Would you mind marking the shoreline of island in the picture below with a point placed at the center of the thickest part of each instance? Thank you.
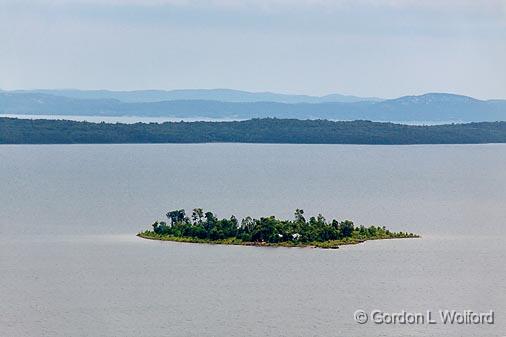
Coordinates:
(316, 232)
(335, 244)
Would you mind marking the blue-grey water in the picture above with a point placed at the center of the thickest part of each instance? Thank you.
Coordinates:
(70, 264)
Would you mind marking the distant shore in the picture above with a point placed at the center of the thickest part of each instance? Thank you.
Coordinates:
(267, 130)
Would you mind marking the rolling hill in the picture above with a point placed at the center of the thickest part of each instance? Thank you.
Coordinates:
(428, 107)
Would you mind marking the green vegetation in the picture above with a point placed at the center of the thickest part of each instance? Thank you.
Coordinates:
(268, 130)
(204, 227)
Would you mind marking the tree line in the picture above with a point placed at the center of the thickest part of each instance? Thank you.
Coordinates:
(266, 130)
(206, 226)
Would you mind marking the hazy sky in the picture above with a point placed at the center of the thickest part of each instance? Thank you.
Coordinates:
(381, 48)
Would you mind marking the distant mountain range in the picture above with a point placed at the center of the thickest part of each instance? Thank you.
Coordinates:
(232, 104)
(222, 95)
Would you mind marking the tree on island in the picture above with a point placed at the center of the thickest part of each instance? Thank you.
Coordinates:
(269, 230)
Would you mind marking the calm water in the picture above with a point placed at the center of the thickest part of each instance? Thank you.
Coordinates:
(70, 264)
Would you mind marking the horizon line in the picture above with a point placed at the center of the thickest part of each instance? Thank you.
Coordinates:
(372, 97)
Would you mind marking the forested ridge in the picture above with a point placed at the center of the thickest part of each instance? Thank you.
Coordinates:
(266, 130)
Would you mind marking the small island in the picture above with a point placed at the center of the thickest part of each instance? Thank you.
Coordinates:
(205, 227)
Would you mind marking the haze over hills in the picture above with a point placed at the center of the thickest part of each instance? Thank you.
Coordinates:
(224, 95)
(427, 107)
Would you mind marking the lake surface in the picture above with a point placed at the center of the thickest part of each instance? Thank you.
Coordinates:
(70, 264)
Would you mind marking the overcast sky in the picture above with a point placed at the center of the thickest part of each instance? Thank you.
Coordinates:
(383, 48)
